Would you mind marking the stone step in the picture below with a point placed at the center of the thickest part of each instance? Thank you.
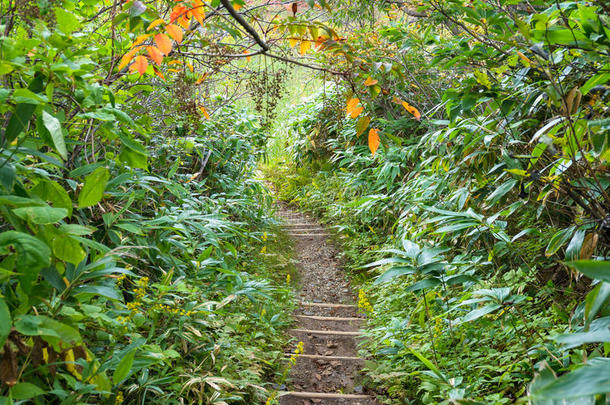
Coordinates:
(326, 305)
(328, 358)
(326, 332)
(309, 235)
(322, 395)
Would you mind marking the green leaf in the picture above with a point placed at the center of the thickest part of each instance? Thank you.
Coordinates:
(573, 249)
(122, 370)
(480, 312)
(597, 269)
(56, 333)
(25, 390)
(595, 301)
(93, 190)
(66, 248)
(393, 273)
(18, 121)
(54, 127)
(5, 322)
(66, 21)
(428, 364)
(591, 379)
(41, 215)
(558, 240)
(32, 254)
(599, 332)
(133, 159)
(421, 285)
(53, 193)
(501, 191)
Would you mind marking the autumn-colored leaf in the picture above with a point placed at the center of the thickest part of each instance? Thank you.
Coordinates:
(163, 43)
(362, 125)
(370, 81)
(412, 110)
(174, 62)
(140, 39)
(190, 67)
(140, 64)
(304, 47)
(373, 140)
(126, 59)
(356, 112)
(237, 6)
(248, 58)
(351, 104)
(197, 11)
(155, 54)
(293, 42)
(175, 32)
(158, 72)
(177, 12)
(525, 58)
(155, 23)
(202, 78)
(204, 112)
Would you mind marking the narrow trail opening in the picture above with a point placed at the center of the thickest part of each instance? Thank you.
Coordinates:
(327, 322)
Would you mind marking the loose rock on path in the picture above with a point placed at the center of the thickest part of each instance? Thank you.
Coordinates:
(328, 323)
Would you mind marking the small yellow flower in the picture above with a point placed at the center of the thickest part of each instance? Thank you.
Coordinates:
(119, 398)
(288, 278)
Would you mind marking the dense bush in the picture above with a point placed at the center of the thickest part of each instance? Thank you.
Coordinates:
(472, 230)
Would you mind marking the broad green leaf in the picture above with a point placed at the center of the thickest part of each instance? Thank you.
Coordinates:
(558, 240)
(93, 190)
(393, 273)
(590, 379)
(32, 254)
(66, 248)
(18, 121)
(5, 321)
(122, 370)
(133, 159)
(480, 312)
(54, 127)
(595, 301)
(56, 333)
(597, 269)
(428, 364)
(411, 250)
(599, 332)
(53, 193)
(501, 191)
(573, 249)
(41, 215)
(66, 21)
(362, 125)
(24, 390)
(421, 285)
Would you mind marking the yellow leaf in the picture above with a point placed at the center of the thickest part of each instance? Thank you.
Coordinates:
(163, 43)
(356, 112)
(204, 112)
(175, 62)
(370, 81)
(237, 6)
(351, 104)
(188, 65)
(175, 32)
(139, 40)
(373, 140)
(293, 42)
(158, 72)
(305, 45)
(197, 11)
(525, 58)
(155, 23)
(126, 59)
(412, 110)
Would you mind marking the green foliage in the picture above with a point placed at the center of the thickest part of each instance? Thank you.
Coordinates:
(132, 232)
(471, 231)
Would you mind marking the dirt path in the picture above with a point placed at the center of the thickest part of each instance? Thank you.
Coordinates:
(327, 323)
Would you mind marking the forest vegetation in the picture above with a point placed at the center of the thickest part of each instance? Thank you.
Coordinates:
(458, 149)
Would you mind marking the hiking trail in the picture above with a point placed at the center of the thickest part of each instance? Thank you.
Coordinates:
(327, 322)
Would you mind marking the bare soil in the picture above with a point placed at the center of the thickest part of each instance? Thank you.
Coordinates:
(330, 363)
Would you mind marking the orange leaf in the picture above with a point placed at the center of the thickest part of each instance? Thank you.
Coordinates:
(370, 82)
(237, 6)
(163, 43)
(188, 65)
(153, 24)
(177, 12)
(204, 112)
(247, 57)
(201, 79)
(373, 140)
(356, 112)
(155, 54)
(174, 62)
(140, 64)
(305, 45)
(412, 110)
(351, 104)
(197, 11)
(175, 32)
